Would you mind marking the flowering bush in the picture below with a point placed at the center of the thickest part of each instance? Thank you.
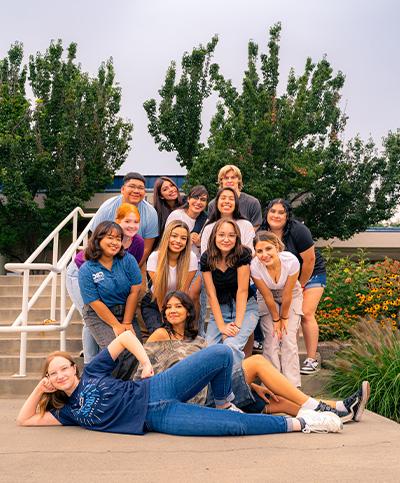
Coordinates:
(383, 297)
(354, 289)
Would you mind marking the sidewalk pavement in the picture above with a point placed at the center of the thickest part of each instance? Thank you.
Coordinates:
(367, 451)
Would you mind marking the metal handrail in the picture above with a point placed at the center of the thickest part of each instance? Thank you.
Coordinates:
(58, 266)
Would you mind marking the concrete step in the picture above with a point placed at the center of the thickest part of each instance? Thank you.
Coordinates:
(9, 364)
(19, 279)
(74, 330)
(16, 290)
(42, 303)
(36, 315)
(21, 387)
(36, 345)
(315, 384)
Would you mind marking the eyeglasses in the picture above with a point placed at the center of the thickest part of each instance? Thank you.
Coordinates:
(203, 199)
(64, 370)
(135, 187)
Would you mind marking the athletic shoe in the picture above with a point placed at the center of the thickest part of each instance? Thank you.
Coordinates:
(233, 408)
(257, 347)
(315, 422)
(345, 416)
(310, 366)
(355, 404)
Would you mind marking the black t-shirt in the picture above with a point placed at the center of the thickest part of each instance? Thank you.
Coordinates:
(226, 283)
(299, 240)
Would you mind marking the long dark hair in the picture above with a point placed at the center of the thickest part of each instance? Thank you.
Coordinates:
(289, 216)
(190, 331)
(93, 250)
(195, 192)
(215, 215)
(162, 207)
(213, 252)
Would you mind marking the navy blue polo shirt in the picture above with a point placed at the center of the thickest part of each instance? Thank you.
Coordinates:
(112, 287)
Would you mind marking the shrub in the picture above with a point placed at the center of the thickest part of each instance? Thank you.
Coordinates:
(357, 289)
(374, 355)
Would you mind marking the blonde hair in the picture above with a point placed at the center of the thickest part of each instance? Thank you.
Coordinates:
(124, 210)
(57, 399)
(160, 283)
(225, 169)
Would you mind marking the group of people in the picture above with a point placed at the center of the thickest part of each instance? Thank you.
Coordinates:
(164, 262)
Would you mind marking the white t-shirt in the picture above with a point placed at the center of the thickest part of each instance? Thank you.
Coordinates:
(246, 234)
(181, 215)
(152, 267)
(289, 266)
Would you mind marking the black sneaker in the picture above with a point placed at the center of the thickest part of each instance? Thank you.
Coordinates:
(345, 416)
(310, 366)
(355, 404)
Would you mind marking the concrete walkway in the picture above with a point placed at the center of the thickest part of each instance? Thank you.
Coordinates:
(367, 451)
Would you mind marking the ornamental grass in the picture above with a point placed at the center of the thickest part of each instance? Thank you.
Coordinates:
(374, 355)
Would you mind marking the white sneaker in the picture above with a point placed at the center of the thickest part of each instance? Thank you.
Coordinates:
(316, 422)
(310, 366)
(234, 408)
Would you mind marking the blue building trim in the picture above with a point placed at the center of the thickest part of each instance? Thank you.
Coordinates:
(115, 186)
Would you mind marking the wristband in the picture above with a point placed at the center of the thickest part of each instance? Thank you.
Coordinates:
(237, 326)
(276, 321)
(285, 318)
(126, 323)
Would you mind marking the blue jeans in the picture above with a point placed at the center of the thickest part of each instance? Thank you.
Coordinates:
(316, 281)
(169, 413)
(237, 343)
(90, 347)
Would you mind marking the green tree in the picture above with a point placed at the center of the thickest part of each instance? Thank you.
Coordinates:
(287, 143)
(63, 148)
(176, 124)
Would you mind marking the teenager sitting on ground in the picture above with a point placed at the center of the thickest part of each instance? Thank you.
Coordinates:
(178, 338)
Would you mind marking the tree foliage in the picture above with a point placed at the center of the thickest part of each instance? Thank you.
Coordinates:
(288, 143)
(61, 147)
(176, 123)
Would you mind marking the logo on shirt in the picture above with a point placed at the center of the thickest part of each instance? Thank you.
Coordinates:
(98, 277)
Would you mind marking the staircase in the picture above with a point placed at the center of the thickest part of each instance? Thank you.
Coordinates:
(39, 343)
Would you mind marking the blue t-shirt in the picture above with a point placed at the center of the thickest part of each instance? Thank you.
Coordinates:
(148, 227)
(113, 286)
(102, 403)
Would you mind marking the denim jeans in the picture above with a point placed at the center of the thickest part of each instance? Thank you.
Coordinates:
(169, 413)
(237, 343)
(90, 346)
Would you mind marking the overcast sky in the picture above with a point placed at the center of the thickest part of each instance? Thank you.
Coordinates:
(360, 38)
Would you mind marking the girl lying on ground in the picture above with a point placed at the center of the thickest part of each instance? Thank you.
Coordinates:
(99, 402)
(178, 339)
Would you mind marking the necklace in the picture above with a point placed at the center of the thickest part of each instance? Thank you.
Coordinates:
(175, 333)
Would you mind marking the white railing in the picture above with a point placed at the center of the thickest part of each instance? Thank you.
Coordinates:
(58, 266)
